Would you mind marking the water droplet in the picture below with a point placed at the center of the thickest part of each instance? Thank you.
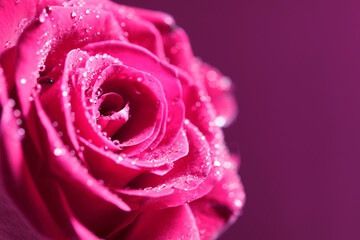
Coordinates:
(227, 165)
(73, 14)
(42, 17)
(37, 88)
(169, 20)
(12, 102)
(217, 163)
(211, 75)
(59, 151)
(55, 124)
(238, 203)
(42, 67)
(48, 9)
(45, 80)
(23, 81)
(90, 182)
(17, 113)
(220, 121)
(225, 83)
(18, 121)
(97, 16)
(65, 93)
(7, 44)
(119, 159)
(99, 92)
(21, 132)
(116, 142)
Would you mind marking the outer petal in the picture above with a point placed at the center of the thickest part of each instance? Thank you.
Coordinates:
(166, 224)
(178, 50)
(15, 15)
(16, 180)
(218, 209)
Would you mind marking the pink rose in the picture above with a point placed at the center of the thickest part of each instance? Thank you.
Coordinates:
(110, 128)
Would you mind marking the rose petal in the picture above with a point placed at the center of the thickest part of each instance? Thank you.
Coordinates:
(106, 165)
(15, 174)
(219, 208)
(59, 32)
(15, 15)
(219, 89)
(185, 177)
(139, 31)
(180, 224)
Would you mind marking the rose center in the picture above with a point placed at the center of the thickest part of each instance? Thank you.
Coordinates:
(113, 112)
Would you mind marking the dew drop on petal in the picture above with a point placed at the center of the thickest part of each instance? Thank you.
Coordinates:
(21, 132)
(42, 68)
(238, 203)
(7, 44)
(217, 163)
(12, 102)
(17, 113)
(211, 75)
(220, 121)
(89, 182)
(116, 142)
(73, 15)
(46, 80)
(58, 151)
(119, 159)
(48, 9)
(23, 81)
(41, 17)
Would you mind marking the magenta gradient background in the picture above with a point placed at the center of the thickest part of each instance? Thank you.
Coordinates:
(296, 66)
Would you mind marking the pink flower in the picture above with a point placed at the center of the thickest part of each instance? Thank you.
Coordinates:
(110, 128)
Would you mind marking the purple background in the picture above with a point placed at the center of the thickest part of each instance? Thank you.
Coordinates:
(296, 66)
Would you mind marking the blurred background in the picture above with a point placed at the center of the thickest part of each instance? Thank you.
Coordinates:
(296, 67)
